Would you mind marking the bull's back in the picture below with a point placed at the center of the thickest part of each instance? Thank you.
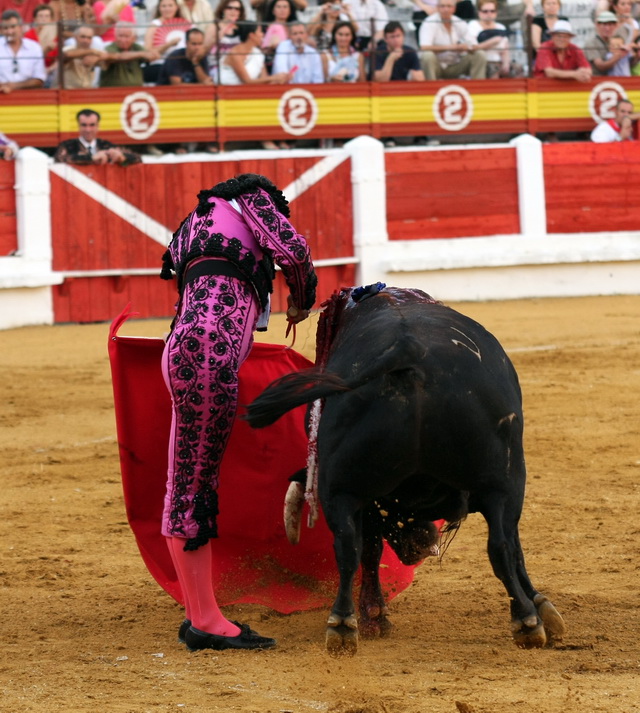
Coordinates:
(443, 387)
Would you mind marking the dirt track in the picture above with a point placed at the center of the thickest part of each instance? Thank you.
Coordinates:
(85, 628)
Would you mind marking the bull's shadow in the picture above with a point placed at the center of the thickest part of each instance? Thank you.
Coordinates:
(421, 419)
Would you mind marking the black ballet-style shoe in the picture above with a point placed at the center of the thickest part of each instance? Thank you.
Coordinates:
(183, 630)
(197, 640)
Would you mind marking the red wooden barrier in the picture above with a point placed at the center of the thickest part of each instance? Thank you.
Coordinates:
(452, 194)
(593, 189)
(88, 237)
(8, 238)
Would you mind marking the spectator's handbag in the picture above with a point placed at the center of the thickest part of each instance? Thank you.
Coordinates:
(490, 34)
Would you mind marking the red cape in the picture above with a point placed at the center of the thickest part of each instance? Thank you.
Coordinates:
(254, 562)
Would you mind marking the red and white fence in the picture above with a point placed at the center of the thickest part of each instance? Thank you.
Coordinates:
(461, 222)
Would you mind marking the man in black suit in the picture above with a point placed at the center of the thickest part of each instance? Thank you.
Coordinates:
(88, 149)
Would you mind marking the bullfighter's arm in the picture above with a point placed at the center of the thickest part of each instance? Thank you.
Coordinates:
(279, 238)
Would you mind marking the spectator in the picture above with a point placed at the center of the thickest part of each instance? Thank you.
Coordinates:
(558, 58)
(321, 26)
(187, 65)
(21, 60)
(449, 50)
(509, 13)
(166, 33)
(421, 10)
(223, 33)
(623, 55)
(396, 61)
(279, 14)
(492, 37)
(296, 57)
(370, 17)
(88, 149)
(261, 7)
(342, 62)
(541, 24)
(72, 14)
(628, 27)
(25, 8)
(244, 63)
(620, 128)
(45, 31)
(80, 60)
(8, 148)
(108, 14)
(197, 12)
(122, 66)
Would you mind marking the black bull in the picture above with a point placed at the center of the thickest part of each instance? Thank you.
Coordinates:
(422, 420)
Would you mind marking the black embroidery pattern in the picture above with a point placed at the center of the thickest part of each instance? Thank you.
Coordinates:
(204, 353)
(207, 243)
(284, 234)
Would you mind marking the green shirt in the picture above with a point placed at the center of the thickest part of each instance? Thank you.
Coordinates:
(123, 74)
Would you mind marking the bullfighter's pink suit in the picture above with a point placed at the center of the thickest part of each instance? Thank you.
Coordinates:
(223, 255)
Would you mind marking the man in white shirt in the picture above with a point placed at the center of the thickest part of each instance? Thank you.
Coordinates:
(369, 15)
(21, 60)
(449, 50)
(296, 54)
(620, 128)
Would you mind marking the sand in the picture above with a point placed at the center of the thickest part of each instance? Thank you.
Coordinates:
(85, 628)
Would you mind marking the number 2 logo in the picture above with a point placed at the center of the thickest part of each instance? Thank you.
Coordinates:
(297, 112)
(139, 115)
(603, 100)
(452, 107)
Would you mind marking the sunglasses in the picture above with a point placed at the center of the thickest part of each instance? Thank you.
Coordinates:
(15, 65)
(234, 7)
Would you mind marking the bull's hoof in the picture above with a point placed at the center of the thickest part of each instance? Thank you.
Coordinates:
(342, 641)
(375, 627)
(528, 633)
(342, 635)
(553, 623)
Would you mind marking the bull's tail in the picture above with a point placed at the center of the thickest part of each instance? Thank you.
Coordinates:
(304, 387)
(290, 391)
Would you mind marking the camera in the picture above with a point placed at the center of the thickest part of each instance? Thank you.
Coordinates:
(336, 6)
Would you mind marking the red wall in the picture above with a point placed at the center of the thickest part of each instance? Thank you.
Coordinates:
(8, 239)
(592, 187)
(452, 194)
(88, 237)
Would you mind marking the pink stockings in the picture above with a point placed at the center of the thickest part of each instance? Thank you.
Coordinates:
(194, 569)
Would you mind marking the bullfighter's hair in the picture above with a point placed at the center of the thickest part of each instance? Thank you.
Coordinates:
(244, 183)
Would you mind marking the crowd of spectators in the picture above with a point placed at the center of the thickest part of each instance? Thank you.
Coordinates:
(84, 44)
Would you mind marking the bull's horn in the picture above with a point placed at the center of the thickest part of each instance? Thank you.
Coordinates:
(293, 504)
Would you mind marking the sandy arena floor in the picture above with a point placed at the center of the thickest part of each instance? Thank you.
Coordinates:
(85, 628)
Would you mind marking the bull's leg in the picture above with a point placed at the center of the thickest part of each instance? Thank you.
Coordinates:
(372, 606)
(344, 518)
(530, 611)
(552, 621)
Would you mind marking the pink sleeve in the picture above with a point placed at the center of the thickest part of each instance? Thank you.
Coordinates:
(279, 238)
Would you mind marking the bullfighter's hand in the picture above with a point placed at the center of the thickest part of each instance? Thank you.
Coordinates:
(295, 314)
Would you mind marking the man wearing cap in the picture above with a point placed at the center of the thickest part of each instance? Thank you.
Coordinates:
(559, 59)
(620, 128)
(597, 45)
